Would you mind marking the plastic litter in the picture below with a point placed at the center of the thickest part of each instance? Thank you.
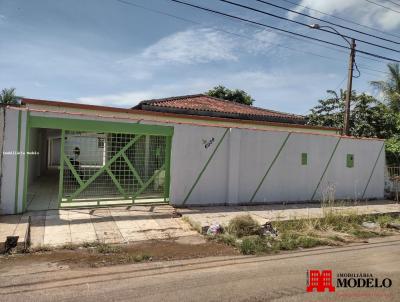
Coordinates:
(268, 230)
(215, 229)
(369, 225)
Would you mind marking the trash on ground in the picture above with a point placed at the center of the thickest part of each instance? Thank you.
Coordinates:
(176, 214)
(268, 230)
(215, 229)
(394, 225)
(369, 225)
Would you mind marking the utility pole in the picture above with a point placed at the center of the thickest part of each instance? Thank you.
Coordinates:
(346, 124)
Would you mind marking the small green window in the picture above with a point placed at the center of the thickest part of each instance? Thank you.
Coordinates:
(304, 159)
(350, 161)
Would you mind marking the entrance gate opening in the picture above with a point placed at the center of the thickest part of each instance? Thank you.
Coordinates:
(106, 162)
(113, 166)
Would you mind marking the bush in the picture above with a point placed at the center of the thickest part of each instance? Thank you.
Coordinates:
(251, 245)
(243, 225)
(104, 248)
(225, 238)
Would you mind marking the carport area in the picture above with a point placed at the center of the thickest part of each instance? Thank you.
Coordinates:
(96, 163)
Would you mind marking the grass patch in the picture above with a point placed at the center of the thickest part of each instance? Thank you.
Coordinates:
(104, 248)
(194, 225)
(334, 228)
(243, 225)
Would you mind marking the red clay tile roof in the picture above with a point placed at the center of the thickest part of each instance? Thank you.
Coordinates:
(205, 105)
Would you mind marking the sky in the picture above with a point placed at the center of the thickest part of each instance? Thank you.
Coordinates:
(119, 52)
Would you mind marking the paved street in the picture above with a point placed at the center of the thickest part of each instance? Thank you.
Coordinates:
(271, 278)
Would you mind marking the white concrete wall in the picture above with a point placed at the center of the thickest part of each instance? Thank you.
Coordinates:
(244, 156)
(2, 116)
(238, 165)
(9, 164)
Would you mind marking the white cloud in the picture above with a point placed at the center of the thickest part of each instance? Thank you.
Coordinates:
(202, 45)
(192, 46)
(365, 13)
(262, 85)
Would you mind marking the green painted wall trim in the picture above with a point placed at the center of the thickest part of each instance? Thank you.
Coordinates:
(167, 181)
(326, 168)
(61, 177)
(373, 170)
(205, 167)
(26, 162)
(270, 167)
(18, 156)
(304, 159)
(99, 126)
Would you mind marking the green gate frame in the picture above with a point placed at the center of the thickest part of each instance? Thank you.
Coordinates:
(66, 124)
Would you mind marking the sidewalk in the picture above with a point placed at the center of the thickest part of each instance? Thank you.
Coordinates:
(205, 216)
(139, 223)
(106, 225)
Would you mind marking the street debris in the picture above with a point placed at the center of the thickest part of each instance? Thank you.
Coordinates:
(369, 225)
(268, 230)
(215, 229)
(394, 226)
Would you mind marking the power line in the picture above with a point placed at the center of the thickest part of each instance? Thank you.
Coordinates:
(388, 8)
(342, 19)
(235, 34)
(328, 22)
(366, 67)
(281, 30)
(305, 24)
(246, 37)
(395, 3)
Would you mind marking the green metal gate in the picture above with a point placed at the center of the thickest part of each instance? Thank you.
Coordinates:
(114, 166)
(111, 162)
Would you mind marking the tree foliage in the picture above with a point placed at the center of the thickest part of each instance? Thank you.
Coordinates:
(234, 95)
(7, 96)
(368, 116)
(390, 88)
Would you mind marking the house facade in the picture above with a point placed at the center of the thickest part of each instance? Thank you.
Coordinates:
(189, 150)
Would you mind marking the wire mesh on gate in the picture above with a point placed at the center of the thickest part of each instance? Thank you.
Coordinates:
(113, 166)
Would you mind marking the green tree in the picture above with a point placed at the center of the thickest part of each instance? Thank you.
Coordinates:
(368, 118)
(390, 88)
(234, 95)
(7, 96)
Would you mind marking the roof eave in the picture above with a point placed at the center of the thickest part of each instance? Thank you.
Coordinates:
(298, 121)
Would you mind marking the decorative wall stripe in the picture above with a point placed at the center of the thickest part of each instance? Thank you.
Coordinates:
(205, 167)
(373, 169)
(61, 177)
(326, 168)
(270, 166)
(26, 161)
(18, 156)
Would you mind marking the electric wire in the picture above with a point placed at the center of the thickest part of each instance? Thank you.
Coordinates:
(281, 30)
(306, 25)
(327, 22)
(380, 5)
(341, 18)
(363, 66)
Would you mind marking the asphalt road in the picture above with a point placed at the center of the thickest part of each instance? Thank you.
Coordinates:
(272, 278)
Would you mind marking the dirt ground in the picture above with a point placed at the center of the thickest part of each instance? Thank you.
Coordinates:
(86, 257)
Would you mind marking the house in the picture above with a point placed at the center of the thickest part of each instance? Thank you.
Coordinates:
(187, 150)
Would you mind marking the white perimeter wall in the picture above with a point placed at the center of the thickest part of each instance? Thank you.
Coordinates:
(244, 156)
(239, 164)
(11, 186)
